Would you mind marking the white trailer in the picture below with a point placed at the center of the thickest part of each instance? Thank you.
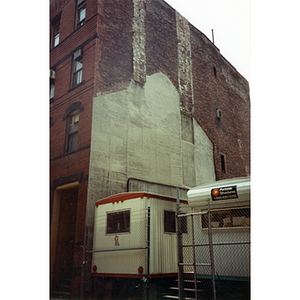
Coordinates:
(121, 236)
(229, 202)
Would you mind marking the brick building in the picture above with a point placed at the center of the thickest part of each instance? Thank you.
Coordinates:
(139, 100)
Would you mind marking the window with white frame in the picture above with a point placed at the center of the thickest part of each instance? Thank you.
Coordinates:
(52, 83)
(56, 34)
(52, 90)
(77, 67)
(118, 222)
(72, 131)
(81, 13)
(55, 23)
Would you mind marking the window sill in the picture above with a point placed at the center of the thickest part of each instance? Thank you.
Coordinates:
(54, 47)
(69, 153)
(76, 86)
(117, 233)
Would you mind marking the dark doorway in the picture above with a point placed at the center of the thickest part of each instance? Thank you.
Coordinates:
(66, 234)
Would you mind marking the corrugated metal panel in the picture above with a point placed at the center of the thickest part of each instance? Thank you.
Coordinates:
(163, 246)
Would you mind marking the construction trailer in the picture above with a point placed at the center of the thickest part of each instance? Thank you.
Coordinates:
(137, 239)
(135, 245)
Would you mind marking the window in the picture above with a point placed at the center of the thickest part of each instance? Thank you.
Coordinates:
(77, 67)
(72, 131)
(215, 71)
(55, 31)
(223, 165)
(56, 34)
(51, 90)
(52, 82)
(81, 10)
(118, 222)
(169, 221)
(228, 218)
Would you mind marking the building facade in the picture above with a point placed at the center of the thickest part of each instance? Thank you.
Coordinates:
(140, 99)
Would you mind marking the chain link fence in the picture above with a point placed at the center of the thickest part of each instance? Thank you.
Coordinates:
(215, 253)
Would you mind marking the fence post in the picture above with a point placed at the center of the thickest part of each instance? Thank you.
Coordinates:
(148, 254)
(179, 248)
(211, 250)
(194, 258)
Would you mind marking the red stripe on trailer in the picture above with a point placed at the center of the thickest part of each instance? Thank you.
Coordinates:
(127, 196)
(120, 197)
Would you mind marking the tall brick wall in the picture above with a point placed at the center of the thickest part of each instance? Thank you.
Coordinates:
(114, 69)
(217, 85)
(206, 82)
(69, 167)
(161, 40)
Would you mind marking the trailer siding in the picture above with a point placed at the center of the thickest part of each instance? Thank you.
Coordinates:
(125, 263)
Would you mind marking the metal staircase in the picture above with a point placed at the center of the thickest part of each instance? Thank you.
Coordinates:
(188, 288)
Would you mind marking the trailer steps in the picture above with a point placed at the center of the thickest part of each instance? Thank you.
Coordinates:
(176, 297)
(61, 293)
(62, 290)
(188, 288)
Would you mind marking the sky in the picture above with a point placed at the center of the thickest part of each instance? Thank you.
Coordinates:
(231, 24)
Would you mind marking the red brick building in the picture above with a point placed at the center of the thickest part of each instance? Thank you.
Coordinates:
(106, 56)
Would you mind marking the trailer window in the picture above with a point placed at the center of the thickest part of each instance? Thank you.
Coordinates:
(169, 221)
(118, 222)
(228, 218)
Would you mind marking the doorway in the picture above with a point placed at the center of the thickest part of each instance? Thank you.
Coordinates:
(63, 236)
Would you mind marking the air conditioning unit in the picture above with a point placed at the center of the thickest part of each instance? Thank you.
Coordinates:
(78, 54)
(219, 114)
(52, 74)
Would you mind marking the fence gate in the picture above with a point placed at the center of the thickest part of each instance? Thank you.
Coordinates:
(213, 254)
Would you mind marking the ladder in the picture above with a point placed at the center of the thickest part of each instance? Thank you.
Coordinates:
(182, 278)
(188, 288)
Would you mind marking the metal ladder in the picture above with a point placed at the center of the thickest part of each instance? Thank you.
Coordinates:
(181, 264)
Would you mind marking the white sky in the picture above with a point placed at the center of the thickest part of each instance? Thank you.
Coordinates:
(230, 20)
